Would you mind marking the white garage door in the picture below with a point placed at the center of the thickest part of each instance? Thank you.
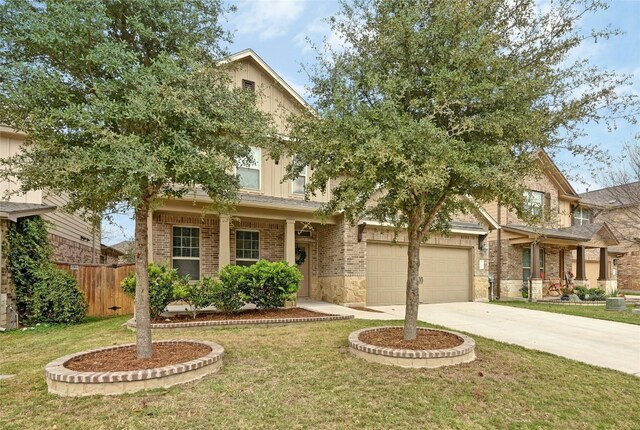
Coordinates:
(446, 274)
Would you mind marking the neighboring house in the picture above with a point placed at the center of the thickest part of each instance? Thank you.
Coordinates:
(73, 239)
(359, 265)
(126, 248)
(618, 206)
(544, 253)
(110, 255)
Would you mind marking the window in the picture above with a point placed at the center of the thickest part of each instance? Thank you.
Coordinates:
(186, 251)
(248, 85)
(581, 216)
(250, 174)
(533, 202)
(526, 263)
(247, 247)
(300, 183)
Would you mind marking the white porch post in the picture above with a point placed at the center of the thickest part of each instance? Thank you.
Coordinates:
(224, 247)
(290, 242)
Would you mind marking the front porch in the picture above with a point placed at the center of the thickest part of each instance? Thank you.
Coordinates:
(540, 260)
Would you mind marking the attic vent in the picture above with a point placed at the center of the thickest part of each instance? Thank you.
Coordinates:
(248, 85)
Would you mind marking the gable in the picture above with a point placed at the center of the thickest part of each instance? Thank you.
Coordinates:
(275, 96)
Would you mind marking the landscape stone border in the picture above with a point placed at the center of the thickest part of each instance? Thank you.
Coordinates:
(72, 383)
(425, 358)
(222, 323)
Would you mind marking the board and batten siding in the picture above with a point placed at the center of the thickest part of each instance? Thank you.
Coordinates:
(274, 100)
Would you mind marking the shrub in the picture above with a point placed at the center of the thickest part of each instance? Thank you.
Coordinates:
(582, 292)
(56, 297)
(29, 251)
(198, 295)
(269, 285)
(227, 293)
(597, 294)
(165, 286)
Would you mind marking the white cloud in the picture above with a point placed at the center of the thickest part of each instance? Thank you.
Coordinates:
(267, 19)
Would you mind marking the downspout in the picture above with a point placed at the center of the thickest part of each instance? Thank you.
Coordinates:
(499, 253)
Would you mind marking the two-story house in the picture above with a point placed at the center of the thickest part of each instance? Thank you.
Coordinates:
(364, 264)
(543, 254)
(619, 207)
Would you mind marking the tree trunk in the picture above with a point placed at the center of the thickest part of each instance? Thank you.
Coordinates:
(413, 285)
(144, 347)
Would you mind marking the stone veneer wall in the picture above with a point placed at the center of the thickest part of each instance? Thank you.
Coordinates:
(7, 289)
(69, 251)
(341, 265)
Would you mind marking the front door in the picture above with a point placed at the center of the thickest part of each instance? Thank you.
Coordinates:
(303, 257)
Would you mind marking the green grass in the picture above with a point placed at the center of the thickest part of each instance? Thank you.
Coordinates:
(302, 376)
(597, 311)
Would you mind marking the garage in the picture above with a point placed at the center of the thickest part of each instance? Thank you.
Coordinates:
(446, 274)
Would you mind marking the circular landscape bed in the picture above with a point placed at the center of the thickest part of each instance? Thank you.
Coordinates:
(247, 316)
(116, 370)
(432, 347)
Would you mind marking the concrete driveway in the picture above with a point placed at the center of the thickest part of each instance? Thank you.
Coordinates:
(601, 343)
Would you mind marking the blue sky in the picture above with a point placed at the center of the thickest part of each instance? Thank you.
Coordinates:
(277, 30)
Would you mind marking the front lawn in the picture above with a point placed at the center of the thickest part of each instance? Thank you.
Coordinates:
(302, 376)
(596, 311)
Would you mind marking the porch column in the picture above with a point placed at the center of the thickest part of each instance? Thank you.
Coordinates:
(580, 267)
(224, 247)
(290, 242)
(535, 261)
(604, 275)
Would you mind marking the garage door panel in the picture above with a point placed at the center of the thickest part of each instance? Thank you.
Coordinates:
(445, 273)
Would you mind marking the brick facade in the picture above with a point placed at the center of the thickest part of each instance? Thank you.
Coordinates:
(69, 251)
(628, 269)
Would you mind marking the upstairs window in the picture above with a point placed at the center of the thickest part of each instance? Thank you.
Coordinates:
(538, 204)
(247, 247)
(581, 216)
(186, 251)
(250, 174)
(300, 183)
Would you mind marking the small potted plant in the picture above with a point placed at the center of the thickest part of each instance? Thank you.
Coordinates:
(525, 292)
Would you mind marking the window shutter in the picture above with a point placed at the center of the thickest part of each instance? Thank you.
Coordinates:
(547, 206)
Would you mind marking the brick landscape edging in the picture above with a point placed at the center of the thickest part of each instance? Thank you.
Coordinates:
(430, 358)
(67, 382)
(190, 324)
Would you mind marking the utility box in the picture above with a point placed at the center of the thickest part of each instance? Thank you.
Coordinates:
(616, 304)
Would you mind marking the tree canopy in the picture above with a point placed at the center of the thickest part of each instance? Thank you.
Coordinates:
(123, 102)
(428, 102)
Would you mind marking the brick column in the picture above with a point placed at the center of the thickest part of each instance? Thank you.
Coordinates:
(224, 252)
(290, 242)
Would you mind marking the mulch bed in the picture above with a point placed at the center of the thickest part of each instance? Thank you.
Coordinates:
(248, 314)
(124, 359)
(425, 339)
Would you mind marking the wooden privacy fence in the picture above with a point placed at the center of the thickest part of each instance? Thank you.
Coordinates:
(100, 285)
